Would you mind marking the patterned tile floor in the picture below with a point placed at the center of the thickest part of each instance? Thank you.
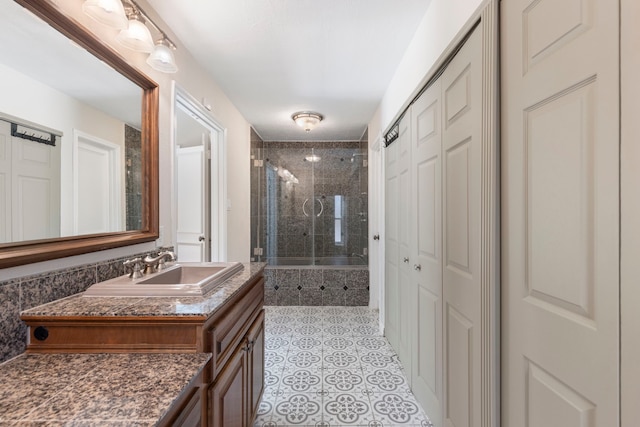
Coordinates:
(330, 366)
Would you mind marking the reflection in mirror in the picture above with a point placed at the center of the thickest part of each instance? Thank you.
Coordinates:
(57, 77)
(89, 180)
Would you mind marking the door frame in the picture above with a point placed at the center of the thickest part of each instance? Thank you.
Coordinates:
(629, 213)
(376, 225)
(218, 167)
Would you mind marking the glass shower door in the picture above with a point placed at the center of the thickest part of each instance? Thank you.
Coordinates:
(290, 205)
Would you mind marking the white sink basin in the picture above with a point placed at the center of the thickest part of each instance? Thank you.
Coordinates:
(183, 279)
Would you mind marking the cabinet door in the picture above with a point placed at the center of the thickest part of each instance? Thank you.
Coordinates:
(228, 401)
(255, 365)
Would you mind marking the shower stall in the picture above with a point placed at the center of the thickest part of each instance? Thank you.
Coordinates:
(309, 215)
(314, 204)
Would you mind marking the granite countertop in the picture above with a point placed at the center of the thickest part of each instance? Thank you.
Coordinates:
(94, 389)
(120, 307)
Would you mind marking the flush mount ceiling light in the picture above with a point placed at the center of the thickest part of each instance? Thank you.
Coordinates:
(108, 12)
(307, 120)
(161, 58)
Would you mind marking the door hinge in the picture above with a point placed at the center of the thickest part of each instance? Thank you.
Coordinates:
(257, 251)
(258, 163)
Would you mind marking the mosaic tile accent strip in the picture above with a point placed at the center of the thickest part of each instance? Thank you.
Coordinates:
(331, 367)
(321, 286)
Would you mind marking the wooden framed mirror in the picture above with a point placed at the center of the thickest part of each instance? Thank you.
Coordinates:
(19, 251)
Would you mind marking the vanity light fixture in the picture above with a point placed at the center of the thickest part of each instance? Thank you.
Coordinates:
(162, 58)
(108, 12)
(307, 120)
(135, 34)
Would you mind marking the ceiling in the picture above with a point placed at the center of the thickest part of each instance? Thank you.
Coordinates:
(275, 57)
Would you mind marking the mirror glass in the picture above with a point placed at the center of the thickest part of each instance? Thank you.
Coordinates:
(71, 155)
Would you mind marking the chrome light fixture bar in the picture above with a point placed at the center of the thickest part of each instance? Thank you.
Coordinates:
(135, 33)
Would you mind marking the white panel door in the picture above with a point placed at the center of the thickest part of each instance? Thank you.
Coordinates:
(191, 194)
(461, 198)
(391, 326)
(5, 182)
(35, 182)
(97, 187)
(397, 271)
(406, 286)
(560, 213)
(426, 247)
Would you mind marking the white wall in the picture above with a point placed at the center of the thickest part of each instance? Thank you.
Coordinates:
(439, 26)
(197, 82)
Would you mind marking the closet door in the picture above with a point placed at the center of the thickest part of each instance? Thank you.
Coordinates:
(462, 177)
(426, 248)
(391, 302)
(560, 213)
(397, 244)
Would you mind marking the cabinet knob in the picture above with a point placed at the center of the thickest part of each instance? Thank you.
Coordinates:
(406, 260)
(417, 267)
(41, 333)
(376, 237)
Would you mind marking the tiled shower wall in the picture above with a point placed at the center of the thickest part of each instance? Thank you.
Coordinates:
(31, 291)
(279, 227)
(316, 286)
(133, 158)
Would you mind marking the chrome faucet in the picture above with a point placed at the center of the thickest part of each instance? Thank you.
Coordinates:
(153, 264)
(136, 267)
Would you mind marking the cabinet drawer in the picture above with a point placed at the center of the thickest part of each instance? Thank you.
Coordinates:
(233, 324)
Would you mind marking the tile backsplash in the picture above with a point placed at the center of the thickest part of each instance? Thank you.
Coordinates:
(26, 292)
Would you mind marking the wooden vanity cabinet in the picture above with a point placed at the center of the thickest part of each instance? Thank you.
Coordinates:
(233, 380)
(188, 408)
(236, 391)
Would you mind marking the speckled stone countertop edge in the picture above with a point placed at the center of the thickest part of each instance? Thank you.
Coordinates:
(121, 307)
(95, 389)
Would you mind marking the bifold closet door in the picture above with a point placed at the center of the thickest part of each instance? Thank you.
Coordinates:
(560, 213)
(398, 284)
(461, 199)
(425, 303)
